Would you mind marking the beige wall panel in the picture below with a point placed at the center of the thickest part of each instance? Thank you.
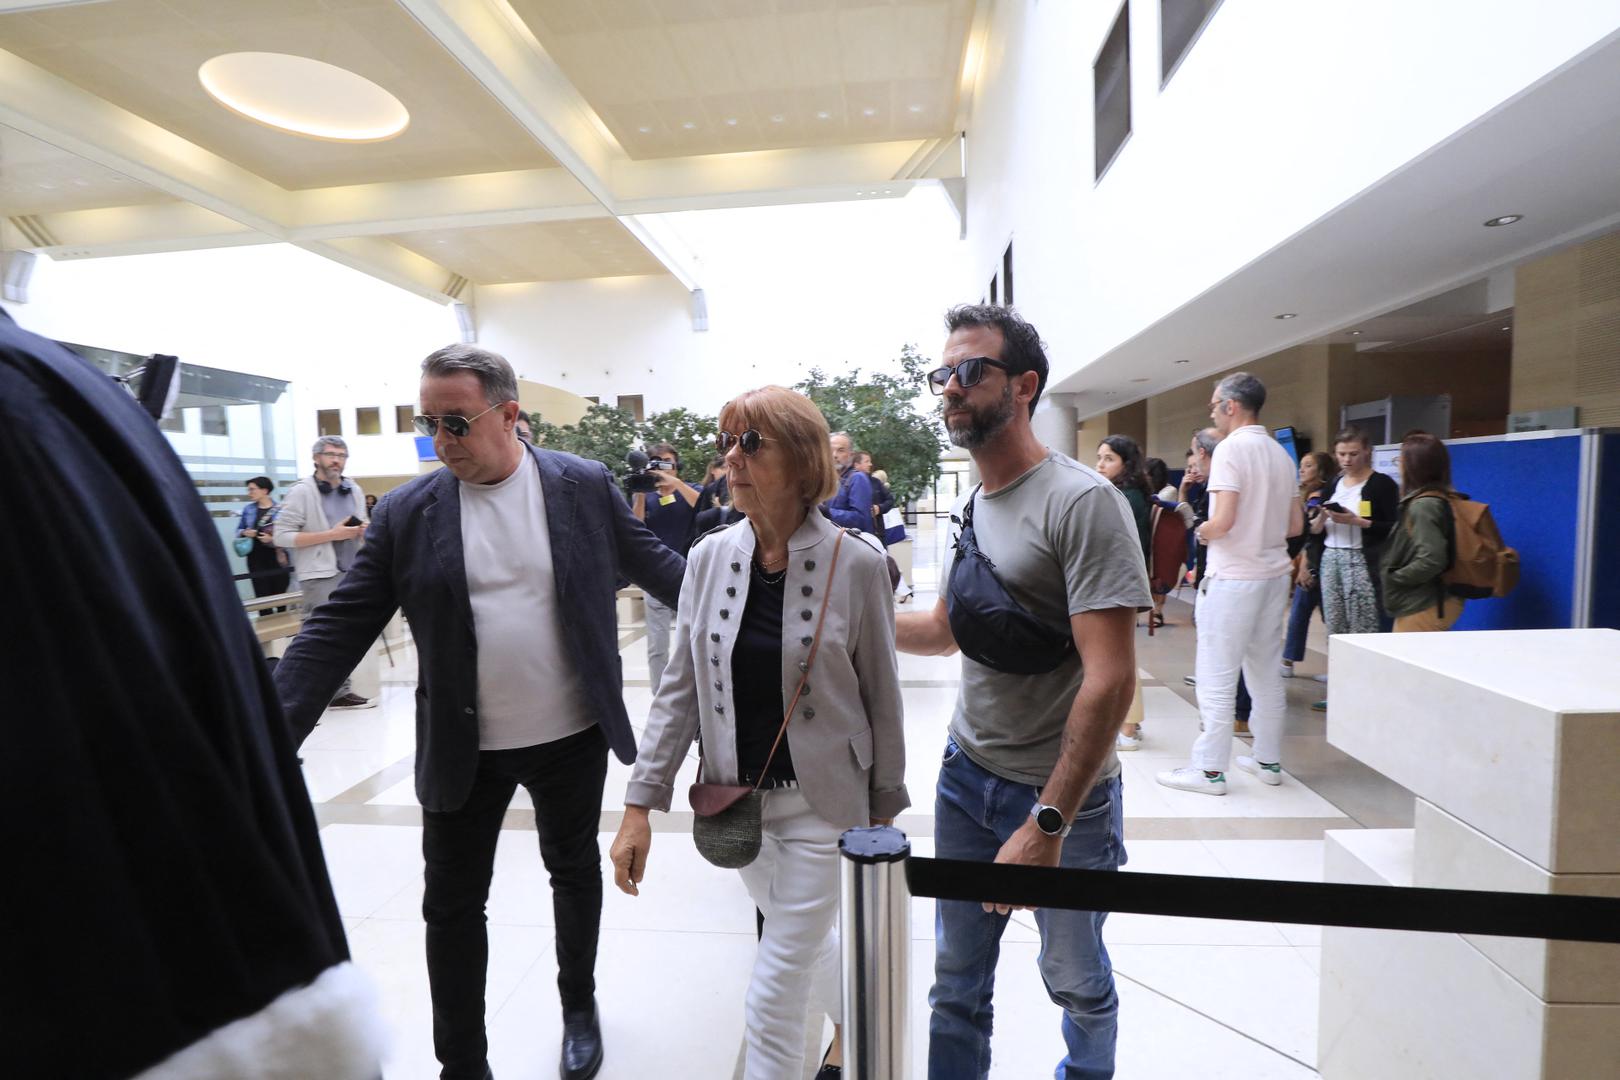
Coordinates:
(555, 406)
(1129, 420)
(1297, 388)
(1091, 433)
(1477, 382)
(1566, 335)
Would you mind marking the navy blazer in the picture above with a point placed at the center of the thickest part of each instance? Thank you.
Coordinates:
(412, 559)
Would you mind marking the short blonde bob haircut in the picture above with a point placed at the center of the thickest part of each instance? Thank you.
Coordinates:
(792, 421)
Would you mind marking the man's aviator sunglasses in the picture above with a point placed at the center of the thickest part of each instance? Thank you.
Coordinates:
(969, 372)
(750, 441)
(455, 425)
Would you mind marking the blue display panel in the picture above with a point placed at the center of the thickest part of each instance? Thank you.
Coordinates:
(1285, 436)
(1533, 488)
(1605, 579)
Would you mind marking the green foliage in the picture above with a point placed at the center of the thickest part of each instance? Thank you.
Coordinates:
(692, 436)
(879, 411)
(607, 434)
(604, 434)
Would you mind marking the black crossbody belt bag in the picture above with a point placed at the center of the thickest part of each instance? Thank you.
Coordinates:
(991, 627)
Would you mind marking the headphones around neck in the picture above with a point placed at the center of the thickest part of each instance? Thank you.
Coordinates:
(326, 489)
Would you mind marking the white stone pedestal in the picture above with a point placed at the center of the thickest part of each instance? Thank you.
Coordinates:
(1511, 740)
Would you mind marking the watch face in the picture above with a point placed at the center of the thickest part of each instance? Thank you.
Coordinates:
(1049, 820)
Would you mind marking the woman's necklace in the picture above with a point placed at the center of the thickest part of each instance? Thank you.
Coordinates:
(762, 569)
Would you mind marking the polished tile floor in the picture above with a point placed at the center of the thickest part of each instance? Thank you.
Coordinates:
(1198, 997)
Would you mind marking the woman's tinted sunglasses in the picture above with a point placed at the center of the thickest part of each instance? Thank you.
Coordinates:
(969, 372)
(455, 425)
(750, 441)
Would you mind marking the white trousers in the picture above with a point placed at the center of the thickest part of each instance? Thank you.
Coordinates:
(1240, 628)
(660, 618)
(795, 883)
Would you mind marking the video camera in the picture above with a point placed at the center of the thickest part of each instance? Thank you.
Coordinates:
(644, 471)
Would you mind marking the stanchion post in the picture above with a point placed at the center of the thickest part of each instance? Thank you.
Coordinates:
(875, 919)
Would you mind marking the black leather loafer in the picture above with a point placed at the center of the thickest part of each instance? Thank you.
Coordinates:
(581, 1044)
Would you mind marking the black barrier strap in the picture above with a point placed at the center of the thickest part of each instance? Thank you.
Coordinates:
(1380, 907)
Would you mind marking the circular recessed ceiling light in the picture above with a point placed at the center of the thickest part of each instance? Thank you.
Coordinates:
(731, 121)
(823, 115)
(1139, 380)
(303, 97)
(869, 111)
(914, 108)
(1183, 361)
(1286, 315)
(1507, 327)
(688, 124)
(1355, 333)
(778, 118)
(1505, 219)
(644, 129)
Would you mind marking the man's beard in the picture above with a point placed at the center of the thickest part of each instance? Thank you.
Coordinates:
(983, 424)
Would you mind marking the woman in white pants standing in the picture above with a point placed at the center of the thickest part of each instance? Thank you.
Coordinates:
(781, 611)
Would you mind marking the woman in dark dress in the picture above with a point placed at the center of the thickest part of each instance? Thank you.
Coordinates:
(1119, 459)
(270, 576)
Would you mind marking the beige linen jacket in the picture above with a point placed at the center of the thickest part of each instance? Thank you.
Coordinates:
(846, 735)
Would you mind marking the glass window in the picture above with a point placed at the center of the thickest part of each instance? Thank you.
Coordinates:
(403, 415)
(368, 420)
(1180, 23)
(214, 421)
(1006, 275)
(329, 422)
(631, 403)
(1111, 88)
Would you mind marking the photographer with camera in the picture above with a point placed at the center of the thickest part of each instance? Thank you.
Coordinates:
(320, 526)
(669, 506)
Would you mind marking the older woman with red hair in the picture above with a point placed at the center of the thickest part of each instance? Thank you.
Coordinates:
(783, 654)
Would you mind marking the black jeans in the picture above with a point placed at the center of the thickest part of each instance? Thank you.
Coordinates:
(564, 778)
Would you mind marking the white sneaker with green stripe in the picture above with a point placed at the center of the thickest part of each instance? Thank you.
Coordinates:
(1268, 773)
(1192, 778)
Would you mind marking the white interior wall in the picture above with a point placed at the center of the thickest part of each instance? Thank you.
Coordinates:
(1280, 112)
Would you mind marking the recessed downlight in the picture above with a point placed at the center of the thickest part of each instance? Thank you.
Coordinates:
(1140, 380)
(869, 111)
(731, 121)
(778, 118)
(688, 125)
(1355, 333)
(823, 115)
(1287, 315)
(303, 97)
(1183, 361)
(1505, 219)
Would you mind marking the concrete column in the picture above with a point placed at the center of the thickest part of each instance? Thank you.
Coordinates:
(1056, 423)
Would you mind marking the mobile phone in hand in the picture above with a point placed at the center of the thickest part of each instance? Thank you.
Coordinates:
(1335, 507)
(353, 520)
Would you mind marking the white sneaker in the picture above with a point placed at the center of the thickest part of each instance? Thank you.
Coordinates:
(1288, 671)
(1268, 774)
(1319, 678)
(1124, 742)
(1192, 778)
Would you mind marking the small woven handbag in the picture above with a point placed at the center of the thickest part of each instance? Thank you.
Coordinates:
(728, 819)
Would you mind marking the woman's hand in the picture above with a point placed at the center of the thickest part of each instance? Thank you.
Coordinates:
(629, 851)
(1304, 578)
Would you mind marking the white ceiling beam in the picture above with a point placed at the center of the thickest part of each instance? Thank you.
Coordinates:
(499, 50)
(394, 264)
(141, 230)
(451, 202)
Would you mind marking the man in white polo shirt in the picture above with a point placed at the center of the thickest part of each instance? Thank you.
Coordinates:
(1254, 509)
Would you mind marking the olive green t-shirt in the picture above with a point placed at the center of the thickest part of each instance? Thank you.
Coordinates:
(1063, 541)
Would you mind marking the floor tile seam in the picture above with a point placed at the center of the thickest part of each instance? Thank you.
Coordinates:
(1213, 1020)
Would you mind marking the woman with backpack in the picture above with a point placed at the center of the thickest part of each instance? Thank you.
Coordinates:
(1420, 546)
(1119, 459)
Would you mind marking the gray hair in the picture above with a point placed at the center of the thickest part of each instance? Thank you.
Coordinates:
(495, 375)
(1207, 439)
(1247, 391)
(328, 440)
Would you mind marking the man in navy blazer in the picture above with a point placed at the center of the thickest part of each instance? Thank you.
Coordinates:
(505, 562)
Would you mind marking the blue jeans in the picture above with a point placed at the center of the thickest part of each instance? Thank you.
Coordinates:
(1305, 603)
(975, 812)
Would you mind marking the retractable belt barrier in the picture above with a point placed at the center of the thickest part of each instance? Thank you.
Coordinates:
(1374, 907)
(879, 876)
